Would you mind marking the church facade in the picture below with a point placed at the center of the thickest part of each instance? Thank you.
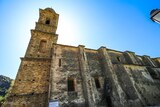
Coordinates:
(52, 74)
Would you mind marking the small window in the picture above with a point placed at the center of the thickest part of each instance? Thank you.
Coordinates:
(32, 93)
(71, 85)
(60, 61)
(97, 83)
(42, 45)
(118, 58)
(47, 22)
(84, 56)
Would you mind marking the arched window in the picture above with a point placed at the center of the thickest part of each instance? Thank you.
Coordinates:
(47, 22)
(42, 45)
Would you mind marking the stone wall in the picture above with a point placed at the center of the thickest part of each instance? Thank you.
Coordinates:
(147, 87)
(117, 57)
(87, 66)
(65, 65)
(31, 85)
(33, 50)
(97, 76)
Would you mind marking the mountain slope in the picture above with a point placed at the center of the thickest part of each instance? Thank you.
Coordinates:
(5, 83)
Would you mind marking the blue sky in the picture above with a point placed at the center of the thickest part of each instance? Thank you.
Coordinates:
(117, 24)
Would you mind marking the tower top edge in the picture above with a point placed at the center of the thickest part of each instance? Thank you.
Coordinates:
(49, 9)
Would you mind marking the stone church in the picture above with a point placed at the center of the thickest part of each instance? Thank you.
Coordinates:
(59, 75)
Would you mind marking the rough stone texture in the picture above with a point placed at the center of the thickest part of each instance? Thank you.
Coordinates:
(69, 68)
(81, 77)
(32, 84)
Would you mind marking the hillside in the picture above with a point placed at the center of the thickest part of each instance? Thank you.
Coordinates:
(5, 83)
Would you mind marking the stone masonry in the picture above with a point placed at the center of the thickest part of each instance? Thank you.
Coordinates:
(71, 76)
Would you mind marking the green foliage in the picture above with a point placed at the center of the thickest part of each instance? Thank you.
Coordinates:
(5, 83)
(5, 86)
(2, 99)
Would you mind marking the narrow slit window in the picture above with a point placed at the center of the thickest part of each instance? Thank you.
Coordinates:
(84, 56)
(97, 83)
(47, 22)
(71, 85)
(60, 62)
(42, 45)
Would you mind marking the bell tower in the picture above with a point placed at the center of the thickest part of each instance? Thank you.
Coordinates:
(48, 21)
(31, 86)
(44, 34)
